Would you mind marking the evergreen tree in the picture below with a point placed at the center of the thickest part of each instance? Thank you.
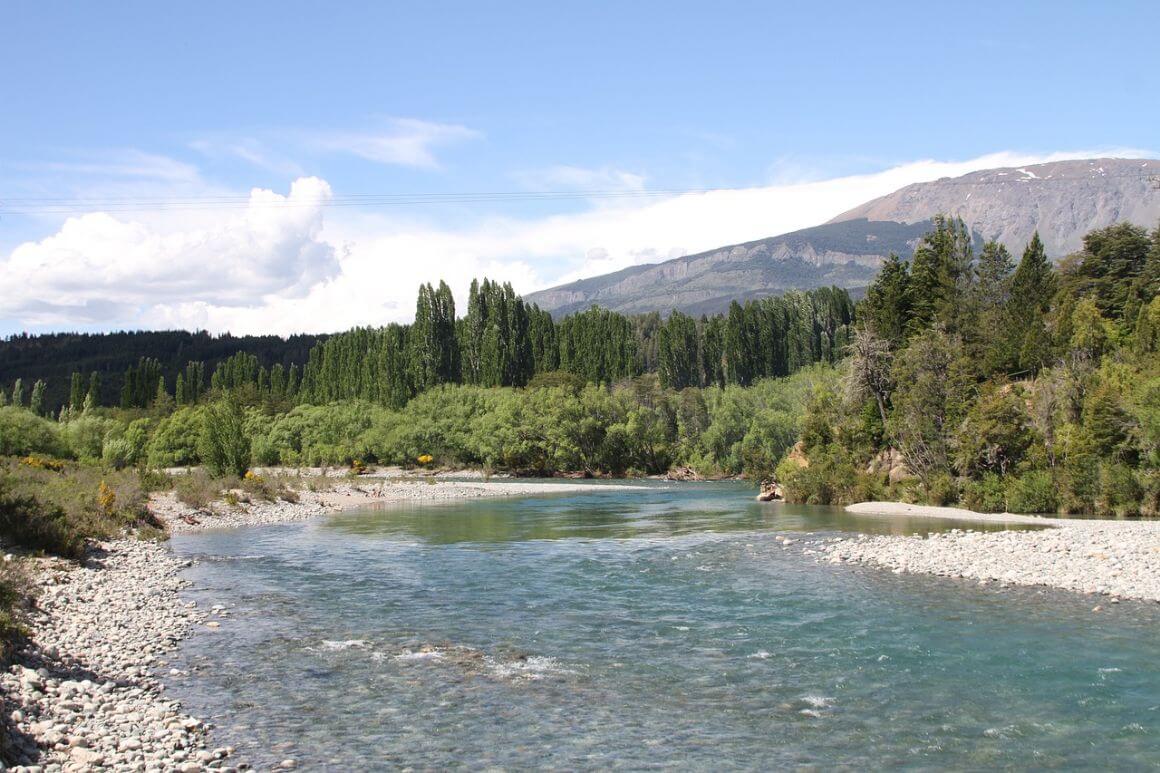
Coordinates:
(987, 311)
(941, 271)
(1032, 288)
(888, 301)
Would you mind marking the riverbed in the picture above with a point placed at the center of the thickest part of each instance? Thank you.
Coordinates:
(671, 626)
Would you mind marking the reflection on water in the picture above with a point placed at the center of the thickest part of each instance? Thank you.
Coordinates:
(661, 510)
(664, 628)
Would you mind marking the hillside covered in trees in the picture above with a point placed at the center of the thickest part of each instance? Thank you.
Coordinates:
(973, 379)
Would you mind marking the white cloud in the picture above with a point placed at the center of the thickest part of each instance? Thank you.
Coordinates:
(284, 269)
(407, 142)
(102, 269)
(127, 164)
(250, 150)
(580, 178)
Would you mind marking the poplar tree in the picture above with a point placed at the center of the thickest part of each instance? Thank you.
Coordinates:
(36, 403)
(76, 391)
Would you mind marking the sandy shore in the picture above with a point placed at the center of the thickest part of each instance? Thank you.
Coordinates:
(86, 691)
(1120, 559)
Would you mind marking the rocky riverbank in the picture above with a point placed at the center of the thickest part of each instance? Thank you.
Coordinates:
(84, 691)
(1120, 559)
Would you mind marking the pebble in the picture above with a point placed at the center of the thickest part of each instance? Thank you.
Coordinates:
(82, 690)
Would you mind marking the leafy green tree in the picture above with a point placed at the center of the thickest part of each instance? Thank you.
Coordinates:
(679, 365)
(36, 402)
(928, 411)
(995, 435)
(18, 393)
(76, 391)
(224, 446)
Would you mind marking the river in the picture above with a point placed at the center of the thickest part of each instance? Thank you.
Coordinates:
(669, 626)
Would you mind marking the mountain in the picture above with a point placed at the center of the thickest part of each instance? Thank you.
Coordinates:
(845, 254)
(1063, 200)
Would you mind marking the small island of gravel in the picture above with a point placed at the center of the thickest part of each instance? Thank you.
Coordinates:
(1117, 558)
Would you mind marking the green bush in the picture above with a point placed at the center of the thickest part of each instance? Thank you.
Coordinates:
(988, 495)
(1120, 492)
(174, 442)
(1032, 492)
(23, 432)
(86, 435)
(941, 490)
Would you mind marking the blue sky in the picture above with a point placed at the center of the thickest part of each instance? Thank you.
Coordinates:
(149, 103)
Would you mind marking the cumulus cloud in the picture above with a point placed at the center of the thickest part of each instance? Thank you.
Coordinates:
(406, 142)
(283, 269)
(100, 268)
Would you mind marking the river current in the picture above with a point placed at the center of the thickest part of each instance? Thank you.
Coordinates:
(669, 626)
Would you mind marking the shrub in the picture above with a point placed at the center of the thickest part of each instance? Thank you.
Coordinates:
(43, 463)
(985, 496)
(941, 490)
(197, 489)
(174, 442)
(23, 433)
(1032, 492)
(30, 523)
(1120, 492)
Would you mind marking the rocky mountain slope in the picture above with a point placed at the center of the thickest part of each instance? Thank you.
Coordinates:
(1063, 200)
(845, 254)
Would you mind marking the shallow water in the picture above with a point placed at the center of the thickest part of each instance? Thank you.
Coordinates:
(645, 629)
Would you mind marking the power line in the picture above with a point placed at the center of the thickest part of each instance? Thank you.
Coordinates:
(48, 205)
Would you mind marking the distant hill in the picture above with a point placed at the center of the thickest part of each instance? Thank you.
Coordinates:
(845, 254)
(54, 356)
(1063, 200)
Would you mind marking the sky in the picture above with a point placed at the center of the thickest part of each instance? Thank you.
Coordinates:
(281, 167)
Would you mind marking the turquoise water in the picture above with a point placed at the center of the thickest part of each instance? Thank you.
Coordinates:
(646, 629)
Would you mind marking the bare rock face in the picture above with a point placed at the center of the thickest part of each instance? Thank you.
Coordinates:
(1063, 200)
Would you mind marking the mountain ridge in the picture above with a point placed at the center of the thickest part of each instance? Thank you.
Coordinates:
(1062, 200)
